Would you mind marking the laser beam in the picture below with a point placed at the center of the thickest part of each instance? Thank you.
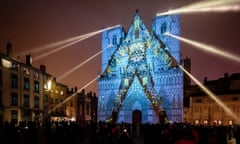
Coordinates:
(207, 48)
(56, 44)
(64, 46)
(70, 97)
(206, 6)
(56, 50)
(66, 41)
(208, 92)
(212, 96)
(79, 65)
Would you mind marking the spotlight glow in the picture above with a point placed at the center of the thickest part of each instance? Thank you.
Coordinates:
(70, 97)
(207, 48)
(206, 6)
(212, 96)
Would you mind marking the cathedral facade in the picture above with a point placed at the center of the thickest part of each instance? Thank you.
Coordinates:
(139, 83)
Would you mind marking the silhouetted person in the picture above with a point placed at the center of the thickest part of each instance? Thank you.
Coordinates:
(48, 132)
(10, 133)
(134, 129)
(81, 133)
(237, 135)
(187, 135)
(221, 135)
(31, 133)
(124, 138)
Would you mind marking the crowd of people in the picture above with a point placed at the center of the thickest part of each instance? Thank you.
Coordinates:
(69, 132)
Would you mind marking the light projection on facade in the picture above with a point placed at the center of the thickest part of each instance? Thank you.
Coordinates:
(138, 83)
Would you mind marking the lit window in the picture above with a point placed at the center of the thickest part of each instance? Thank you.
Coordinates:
(196, 121)
(220, 122)
(14, 66)
(49, 85)
(215, 122)
(61, 93)
(205, 122)
(26, 71)
(36, 74)
(26, 84)
(45, 86)
(36, 86)
(6, 63)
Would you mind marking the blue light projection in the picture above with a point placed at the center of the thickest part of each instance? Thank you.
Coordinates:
(138, 84)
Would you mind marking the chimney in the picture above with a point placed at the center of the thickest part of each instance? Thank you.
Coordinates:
(9, 49)
(226, 75)
(76, 89)
(29, 60)
(43, 68)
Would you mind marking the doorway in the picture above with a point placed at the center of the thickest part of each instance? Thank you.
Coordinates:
(136, 117)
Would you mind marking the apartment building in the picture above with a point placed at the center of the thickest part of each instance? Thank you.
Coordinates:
(204, 109)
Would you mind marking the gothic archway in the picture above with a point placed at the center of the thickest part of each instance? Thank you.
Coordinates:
(136, 117)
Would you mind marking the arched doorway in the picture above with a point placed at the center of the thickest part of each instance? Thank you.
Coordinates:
(136, 117)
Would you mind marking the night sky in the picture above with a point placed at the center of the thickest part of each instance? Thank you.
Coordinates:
(30, 24)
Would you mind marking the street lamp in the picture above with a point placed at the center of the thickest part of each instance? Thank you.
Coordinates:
(47, 88)
(49, 85)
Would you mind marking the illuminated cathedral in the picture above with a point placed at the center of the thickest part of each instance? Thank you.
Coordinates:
(138, 83)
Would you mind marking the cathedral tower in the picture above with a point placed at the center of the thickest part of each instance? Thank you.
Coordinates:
(138, 84)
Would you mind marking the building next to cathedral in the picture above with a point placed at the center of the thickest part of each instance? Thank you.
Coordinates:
(21, 89)
(28, 94)
(138, 83)
(202, 109)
